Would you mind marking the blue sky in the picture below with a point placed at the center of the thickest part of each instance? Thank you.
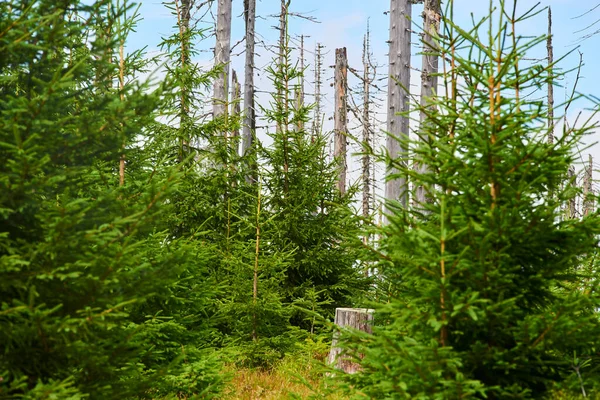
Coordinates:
(342, 23)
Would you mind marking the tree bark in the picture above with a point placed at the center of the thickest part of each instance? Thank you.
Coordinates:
(222, 57)
(249, 129)
(550, 49)
(366, 127)
(122, 89)
(184, 16)
(588, 203)
(300, 93)
(283, 91)
(355, 318)
(396, 189)
(316, 131)
(572, 205)
(340, 117)
(236, 110)
(429, 80)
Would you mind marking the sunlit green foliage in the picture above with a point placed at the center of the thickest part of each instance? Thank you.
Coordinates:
(487, 294)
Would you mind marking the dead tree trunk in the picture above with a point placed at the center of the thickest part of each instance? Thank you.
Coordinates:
(429, 80)
(340, 118)
(283, 91)
(184, 16)
(236, 110)
(550, 81)
(366, 127)
(354, 318)
(398, 97)
(122, 89)
(249, 129)
(588, 203)
(572, 205)
(318, 82)
(300, 93)
(222, 57)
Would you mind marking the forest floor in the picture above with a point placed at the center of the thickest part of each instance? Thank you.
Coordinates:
(250, 384)
(298, 376)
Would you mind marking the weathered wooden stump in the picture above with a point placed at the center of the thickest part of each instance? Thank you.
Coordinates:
(355, 318)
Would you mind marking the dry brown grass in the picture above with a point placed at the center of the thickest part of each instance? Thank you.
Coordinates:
(284, 382)
(248, 384)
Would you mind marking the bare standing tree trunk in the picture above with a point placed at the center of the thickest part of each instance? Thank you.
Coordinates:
(249, 129)
(122, 88)
(222, 56)
(398, 96)
(429, 80)
(183, 20)
(366, 126)
(236, 109)
(588, 203)
(283, 92)
(318, 83)
(550, 81)
(300, 93)
(572, 205)
(340, 117)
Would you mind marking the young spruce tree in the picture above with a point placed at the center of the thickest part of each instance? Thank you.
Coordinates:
(83, 256)
(311, 217)
(490, 294)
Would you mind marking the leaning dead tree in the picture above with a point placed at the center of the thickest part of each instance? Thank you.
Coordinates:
(429, 80)
(340, 116)
(222, 56)
(550, 50)
(396, 188)
(249, 129)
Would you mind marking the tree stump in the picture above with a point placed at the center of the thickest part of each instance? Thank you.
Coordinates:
(355, 318)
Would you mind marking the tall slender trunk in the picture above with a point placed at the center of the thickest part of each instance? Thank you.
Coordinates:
(588, 203)
(429, 80)
(283, 90)
(550, 49)
(366, 126)
(222, 57)
(183, 20)
(236, 111)
(249, 129)
(300, 94)
(122, 89)
(396, 189)
(572, 205)
(255, 277)
(318, 82)
(340, 118)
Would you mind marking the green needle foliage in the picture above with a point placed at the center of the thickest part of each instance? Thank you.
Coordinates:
(82, 259)
(310, 215)
(490, 292)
